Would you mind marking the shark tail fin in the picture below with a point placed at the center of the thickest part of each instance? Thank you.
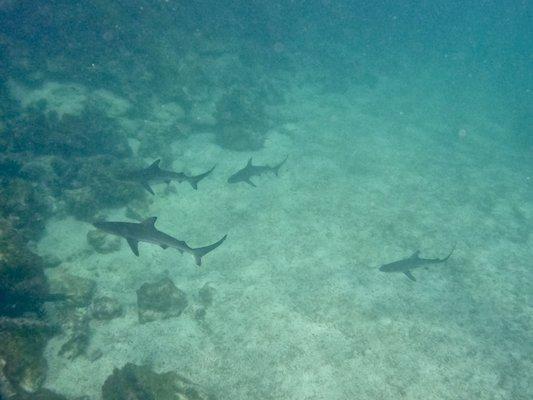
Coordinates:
(195, 179)
(451, 252)
(199, 252)
(277, 167)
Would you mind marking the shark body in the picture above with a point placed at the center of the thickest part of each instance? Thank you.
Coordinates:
(154, 174)
(146, 232)
(249, 171)
(414, 261)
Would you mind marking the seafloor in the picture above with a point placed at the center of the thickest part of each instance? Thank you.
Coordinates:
(300, 309)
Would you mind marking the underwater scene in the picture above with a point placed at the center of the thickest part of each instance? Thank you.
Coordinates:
(254, 200)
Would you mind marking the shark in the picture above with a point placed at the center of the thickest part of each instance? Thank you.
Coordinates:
(414, 261)
(145, 231)
(154, 174)
(249, 171)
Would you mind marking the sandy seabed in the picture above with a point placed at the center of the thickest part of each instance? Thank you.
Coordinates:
(301, 310)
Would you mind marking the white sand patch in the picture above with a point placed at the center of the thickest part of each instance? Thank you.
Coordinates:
(68, 98)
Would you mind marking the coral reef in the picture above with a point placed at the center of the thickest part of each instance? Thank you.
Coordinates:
(72, 162)
(23, 285)
(160, 300)
(140, 382)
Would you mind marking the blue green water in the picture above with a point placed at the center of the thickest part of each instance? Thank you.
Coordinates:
(407, 126)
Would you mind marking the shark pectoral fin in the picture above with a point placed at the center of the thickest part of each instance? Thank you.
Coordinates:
(167, 181)
(164, 246)
(249, 182)
(134, 246)
(410, 275)
(147, 187)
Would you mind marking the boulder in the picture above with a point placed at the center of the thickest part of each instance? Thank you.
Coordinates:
(160, 300)
(140, 382)
(79, 291)
(106, 308)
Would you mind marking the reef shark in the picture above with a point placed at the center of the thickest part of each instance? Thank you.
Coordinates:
(250, 170)
(154, 174)
(412, 262)
(146, 231)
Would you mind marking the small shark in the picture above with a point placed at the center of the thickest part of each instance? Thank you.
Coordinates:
(412, 262)
(154, 174)
(146, 232)
(245, 174)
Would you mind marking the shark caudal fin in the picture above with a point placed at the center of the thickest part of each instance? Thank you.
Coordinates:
(199, 252)
(195, 179)
(451, 252)
(277, 167)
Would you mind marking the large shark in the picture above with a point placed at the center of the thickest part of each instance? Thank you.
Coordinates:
(146, 232)
(414, 261)
(154, 174)
(250, 170)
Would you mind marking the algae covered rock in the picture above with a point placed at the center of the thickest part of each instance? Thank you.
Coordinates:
(102, 242)
(78, 290)
(106, 308)
(140, 382)
(160, 300)
(78, 340)
(23, 285)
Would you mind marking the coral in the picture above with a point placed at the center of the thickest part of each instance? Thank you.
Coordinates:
(140, 382)
(22, 351)
(160, 300)
(105, 308)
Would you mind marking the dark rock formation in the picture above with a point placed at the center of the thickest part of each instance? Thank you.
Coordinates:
(106, 308)
(77, 290)
(160, 300)
(133, 382)
(78, 341)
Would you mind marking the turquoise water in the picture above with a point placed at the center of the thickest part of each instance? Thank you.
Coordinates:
(406, 126)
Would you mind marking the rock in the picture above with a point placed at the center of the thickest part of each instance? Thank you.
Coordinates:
(205, 295)
(160, 300)
(106, 308)
(140, 382)
(102, 242)
(79, 291)
(78, 341)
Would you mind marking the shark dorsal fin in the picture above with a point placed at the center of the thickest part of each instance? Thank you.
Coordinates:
(155, 164)
(249, 164)
(415, 254)
(149, 221)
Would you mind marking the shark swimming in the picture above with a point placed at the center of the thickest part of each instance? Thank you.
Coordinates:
(249, 171)
(414, 261)
(146, 231)
(154, 174)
